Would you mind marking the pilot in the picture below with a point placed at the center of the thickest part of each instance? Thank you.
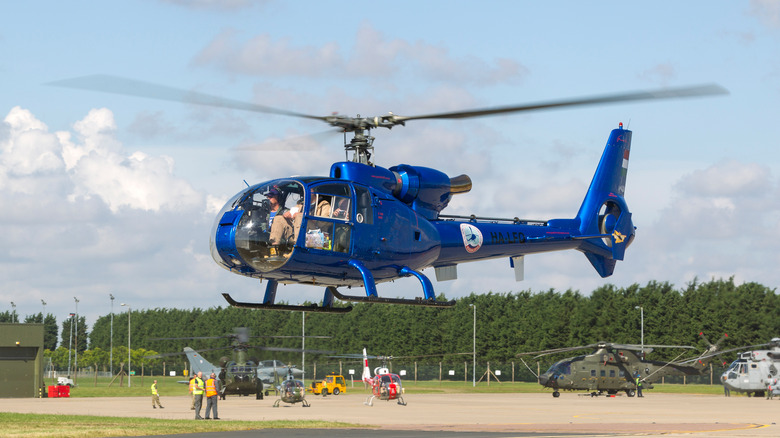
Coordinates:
(280, 220)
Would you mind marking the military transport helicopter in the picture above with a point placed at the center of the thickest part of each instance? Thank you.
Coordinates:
(364, 224)
(613, 367)
(266, 369)
(240, 375)
(292, 391)
(750, 372)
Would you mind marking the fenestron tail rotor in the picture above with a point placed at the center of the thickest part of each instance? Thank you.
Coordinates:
(362, 142)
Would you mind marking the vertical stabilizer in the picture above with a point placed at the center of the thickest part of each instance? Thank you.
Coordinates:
(199, 363)
(366, 370)
(604, 211)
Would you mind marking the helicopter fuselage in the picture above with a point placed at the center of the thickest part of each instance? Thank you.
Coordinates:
(611, 371)
(752, 370)
(364, 225)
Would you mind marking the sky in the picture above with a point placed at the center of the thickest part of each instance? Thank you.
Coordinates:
(106, 194)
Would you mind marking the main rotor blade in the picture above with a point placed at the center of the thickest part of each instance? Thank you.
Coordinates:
(156, 356)
(556, 350)
(132, 87)
(290, 350)
(638, 347)
(669, 93)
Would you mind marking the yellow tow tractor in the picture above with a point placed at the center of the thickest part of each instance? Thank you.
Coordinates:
(331, 384)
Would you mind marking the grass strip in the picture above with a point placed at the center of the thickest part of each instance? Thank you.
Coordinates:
(82, 426)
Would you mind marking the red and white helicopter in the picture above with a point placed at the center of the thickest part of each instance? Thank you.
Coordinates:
(384, 385)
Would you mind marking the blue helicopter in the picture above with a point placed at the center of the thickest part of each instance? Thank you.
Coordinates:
(363, 224)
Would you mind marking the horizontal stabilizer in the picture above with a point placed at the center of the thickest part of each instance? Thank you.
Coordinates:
(622, 235)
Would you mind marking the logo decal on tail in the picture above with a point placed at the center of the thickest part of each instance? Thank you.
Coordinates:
(472, 237)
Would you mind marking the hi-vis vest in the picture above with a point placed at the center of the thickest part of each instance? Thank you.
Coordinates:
(211, 387)
(154, 389)
(198, 389)
(192, 384)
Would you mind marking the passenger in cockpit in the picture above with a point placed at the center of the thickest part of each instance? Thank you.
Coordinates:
(280, 220)
(342, 209)
(323, 206)
(297, 218)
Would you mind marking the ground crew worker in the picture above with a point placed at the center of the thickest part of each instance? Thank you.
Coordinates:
(192, 392)
(197, 391)
(155, 397)
(212, 395)
(639, 385)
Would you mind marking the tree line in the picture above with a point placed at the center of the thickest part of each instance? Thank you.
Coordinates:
(506, 324)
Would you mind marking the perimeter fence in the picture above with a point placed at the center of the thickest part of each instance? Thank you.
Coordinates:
(484, 372)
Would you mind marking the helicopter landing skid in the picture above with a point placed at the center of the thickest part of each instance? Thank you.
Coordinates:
(407, 301)
(271, 306)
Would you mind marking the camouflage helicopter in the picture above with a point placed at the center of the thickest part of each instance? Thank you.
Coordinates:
(241, 374)
(291, 390)
(613, 367)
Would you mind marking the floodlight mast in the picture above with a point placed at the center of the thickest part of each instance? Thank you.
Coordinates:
(129, 311)
(111, 347)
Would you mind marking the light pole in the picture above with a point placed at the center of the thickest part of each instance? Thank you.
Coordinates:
(474, 349)
(111, 347)
(13, 313)
(70, 341)
(76, 353)
(44, 311)
(642, 319)
(129, 310)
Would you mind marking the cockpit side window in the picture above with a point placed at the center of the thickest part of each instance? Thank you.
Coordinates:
(330, 209)
(364, 212)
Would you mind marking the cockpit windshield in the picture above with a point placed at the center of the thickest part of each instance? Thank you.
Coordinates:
(293, 388)
(560, 367)
(269, 218)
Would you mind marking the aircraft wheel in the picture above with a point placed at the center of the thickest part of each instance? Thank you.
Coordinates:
(336, 391)
(556, 394)
(630, 392)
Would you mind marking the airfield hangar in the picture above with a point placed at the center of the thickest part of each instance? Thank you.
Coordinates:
(21, 360)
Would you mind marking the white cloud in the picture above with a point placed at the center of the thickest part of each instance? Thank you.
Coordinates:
(374, 55)
(82, 216)
(767, 11)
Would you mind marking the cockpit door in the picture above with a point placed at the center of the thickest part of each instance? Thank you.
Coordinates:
(330, 216)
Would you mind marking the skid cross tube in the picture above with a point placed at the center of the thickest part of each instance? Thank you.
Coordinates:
(293, 307)
(376, 299)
